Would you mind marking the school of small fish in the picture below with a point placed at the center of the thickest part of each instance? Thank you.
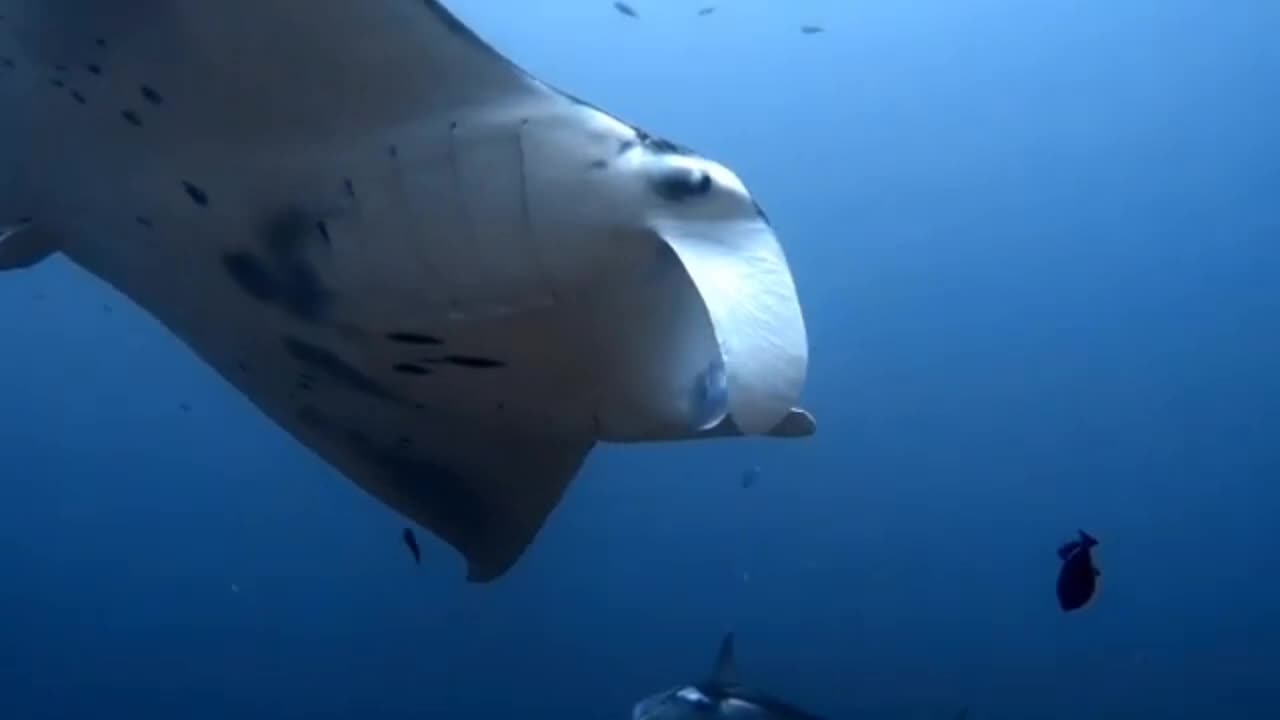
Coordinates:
(630, 11)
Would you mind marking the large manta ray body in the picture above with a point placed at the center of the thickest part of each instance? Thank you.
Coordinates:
(445, 277)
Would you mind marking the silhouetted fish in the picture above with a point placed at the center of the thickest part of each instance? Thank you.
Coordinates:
(707, 10)
(412, 542)
(1078, 578)
(625, 9)
(810, 29)
(751, 476)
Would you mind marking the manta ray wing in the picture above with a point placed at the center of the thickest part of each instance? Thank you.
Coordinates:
(238, 164)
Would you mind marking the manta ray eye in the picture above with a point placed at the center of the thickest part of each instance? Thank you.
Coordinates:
(680, 184)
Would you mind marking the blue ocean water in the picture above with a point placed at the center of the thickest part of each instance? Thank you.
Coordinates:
(1038, 246)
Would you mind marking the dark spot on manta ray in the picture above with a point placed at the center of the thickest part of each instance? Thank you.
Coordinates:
(410, 369)
(58, 83)
(100, 42)
(150, 95)
(393, 151)
(78, 97)
(285, 276)
(7, 63)
(328, 363)
(349, 187)
(323, 228)
(298, 292)
(131, 117)
(299, 287)
(599, 164)
(94, 68)
(412, 338)
(242, 366)
(144, 221)
(61, 68)
(468, 361)
(198, 196)
(249, 274)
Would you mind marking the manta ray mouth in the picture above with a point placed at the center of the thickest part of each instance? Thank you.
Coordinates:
(742, 277)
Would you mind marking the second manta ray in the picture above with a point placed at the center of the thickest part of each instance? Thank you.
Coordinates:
(445, 277)
(722, 696)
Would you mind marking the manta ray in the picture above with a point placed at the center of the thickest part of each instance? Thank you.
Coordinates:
(447, 278)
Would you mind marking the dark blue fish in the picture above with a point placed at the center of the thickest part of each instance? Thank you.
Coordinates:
(1078, 578)
(751, 476)
(811, 29)
(707, 10)
(412, 542)
(625, 9)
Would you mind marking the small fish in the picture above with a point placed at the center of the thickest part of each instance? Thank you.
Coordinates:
(412, 542)
(1078, 578)
(751, 476)
(811, 29)
(625, 9)
(184, 407)
(707, 10)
